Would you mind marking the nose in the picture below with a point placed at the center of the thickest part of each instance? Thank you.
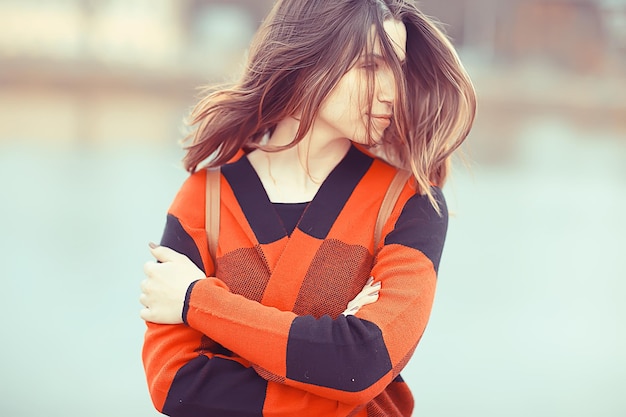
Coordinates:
(386, 86)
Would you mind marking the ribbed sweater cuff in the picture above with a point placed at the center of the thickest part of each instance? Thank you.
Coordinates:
(186, 303)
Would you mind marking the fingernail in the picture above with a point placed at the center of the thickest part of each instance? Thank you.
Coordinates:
(377, 284)
(369, 281)
(153, 245)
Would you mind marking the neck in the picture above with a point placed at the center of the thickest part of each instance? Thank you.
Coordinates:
(295, 174)
(315, 156)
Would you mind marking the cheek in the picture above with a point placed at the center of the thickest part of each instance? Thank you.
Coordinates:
(350, 94)
(342, 106)
(347, 104)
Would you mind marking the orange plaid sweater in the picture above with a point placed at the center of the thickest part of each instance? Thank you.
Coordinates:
(265, 335)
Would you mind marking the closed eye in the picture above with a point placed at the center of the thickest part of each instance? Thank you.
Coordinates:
(373, 62)
(372, 66)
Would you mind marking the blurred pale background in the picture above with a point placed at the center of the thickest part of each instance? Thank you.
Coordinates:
(529, 318)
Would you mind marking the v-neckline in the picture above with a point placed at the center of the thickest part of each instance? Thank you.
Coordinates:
(268, 204)
(321, 212)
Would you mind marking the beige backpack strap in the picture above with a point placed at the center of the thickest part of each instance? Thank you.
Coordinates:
(393, 192)
(212, 207)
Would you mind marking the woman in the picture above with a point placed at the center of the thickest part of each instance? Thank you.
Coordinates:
(329, 83)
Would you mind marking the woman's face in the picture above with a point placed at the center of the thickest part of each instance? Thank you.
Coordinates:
(347, 112)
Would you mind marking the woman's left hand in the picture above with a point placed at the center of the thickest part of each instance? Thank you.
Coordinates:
(368, 295)
(165, 287)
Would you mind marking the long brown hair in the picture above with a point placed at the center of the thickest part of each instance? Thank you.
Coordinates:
(299, 54)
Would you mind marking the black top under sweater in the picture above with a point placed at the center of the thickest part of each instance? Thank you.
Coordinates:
(290, 214)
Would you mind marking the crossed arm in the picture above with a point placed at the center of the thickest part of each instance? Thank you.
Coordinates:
(168, 279)
(211, 382)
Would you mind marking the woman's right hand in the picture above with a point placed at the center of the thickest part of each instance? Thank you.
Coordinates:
(368, 295)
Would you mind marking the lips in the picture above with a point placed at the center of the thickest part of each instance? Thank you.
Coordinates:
(382, 119)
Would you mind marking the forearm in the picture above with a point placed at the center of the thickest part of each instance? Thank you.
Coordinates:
(183, 381)
(347, 359)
